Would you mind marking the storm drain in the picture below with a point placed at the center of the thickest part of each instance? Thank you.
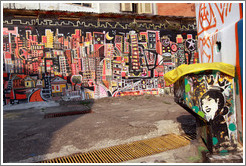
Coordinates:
(125, 152)
(54, 115)
(190, 136)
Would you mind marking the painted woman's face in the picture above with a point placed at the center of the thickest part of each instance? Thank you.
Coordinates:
(209, 107)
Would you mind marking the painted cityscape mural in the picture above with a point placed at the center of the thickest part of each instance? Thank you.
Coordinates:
(210, 95)
(50, 60)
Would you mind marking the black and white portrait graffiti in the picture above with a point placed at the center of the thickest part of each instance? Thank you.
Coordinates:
(213, 104)
(213, 100)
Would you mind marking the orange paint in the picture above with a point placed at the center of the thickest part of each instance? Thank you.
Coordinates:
(223, 10)
(241, 10)
(208, 42)
(20, 96)
(36, 96)
(203, 16)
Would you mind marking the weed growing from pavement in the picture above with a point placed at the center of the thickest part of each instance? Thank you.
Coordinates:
(147, 97)
(166, 102)
(85, 102)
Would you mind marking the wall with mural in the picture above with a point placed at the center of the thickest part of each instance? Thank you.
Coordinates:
(220, 31)
(48, 59)
(209, 94)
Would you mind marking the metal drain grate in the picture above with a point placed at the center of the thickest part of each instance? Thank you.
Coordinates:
(191, 136)
(54, 115)
(125, 152)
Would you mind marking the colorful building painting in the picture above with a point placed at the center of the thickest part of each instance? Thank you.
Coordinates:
(29, 82)
(58, 85)
(113, 59)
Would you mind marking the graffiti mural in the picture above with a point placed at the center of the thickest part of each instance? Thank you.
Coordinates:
(54, 61)
(210, 95)
(219, 31)
(211, 19)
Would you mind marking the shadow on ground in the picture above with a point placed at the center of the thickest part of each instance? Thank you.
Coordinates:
(188, 124)
(28, 133)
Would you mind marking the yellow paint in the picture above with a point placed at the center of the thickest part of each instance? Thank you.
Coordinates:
(91, 94)
(58, 90)
(173, 75)
(113, 83)
(154, 92)
(29, 84)
(120, 153)
(49, 35)
(57, 73)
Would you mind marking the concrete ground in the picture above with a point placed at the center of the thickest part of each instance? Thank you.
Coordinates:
(29, 137)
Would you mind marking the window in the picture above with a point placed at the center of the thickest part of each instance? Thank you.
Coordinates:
(144, 8)
(83, 4)
(57, 87)
(137, 8)
(86, 4)
(126, 7)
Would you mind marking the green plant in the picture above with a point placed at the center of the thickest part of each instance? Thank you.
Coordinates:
(85, 102)
(166, 102)
(42, 109)
(147, 97)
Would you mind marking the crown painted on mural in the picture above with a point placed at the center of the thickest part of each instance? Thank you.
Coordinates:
(216, 83)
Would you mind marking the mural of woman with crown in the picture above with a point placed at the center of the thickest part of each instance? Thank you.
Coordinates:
(215, 106)
(209, 94)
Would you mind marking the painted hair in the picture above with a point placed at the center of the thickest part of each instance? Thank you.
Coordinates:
(215, 94)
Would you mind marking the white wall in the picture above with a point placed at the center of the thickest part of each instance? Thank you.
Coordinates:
(27, 5)
(77, 8)
(96, 7)
(219, 26)
(110, 8)
(52, 6)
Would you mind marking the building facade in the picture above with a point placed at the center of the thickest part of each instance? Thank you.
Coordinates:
(163, 9)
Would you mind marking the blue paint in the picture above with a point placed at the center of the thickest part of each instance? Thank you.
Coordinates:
(240, 47)
(241, 6)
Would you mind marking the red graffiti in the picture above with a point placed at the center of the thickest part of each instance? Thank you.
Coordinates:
(207, 42)
(206, 18)
(223, 9)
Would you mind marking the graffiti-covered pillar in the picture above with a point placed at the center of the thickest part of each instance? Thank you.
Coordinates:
(207, 91)
(219, 32)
